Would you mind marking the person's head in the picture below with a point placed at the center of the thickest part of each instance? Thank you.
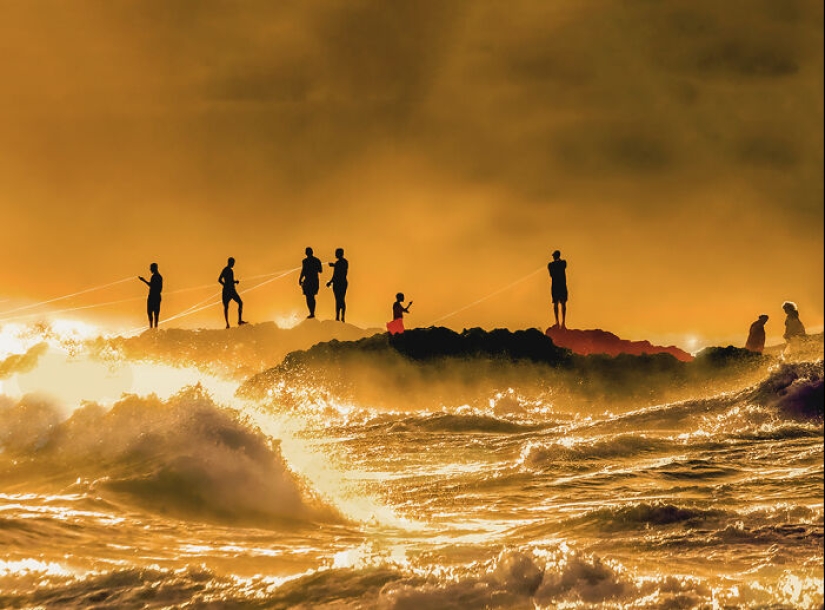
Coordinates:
(230, 261)
(556, 255)
(399, 297)
(308, 251)
(339, 253)
(153, 267)
(789, 307)
(763, 318)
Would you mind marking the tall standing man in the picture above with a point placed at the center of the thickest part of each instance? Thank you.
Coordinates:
(339, 283)
(310, 270)
(155, 284)
(228, 281)
(558, 287)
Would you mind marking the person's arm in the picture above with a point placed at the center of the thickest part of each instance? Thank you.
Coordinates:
(407, 308)
(143, 279)
(221, 280)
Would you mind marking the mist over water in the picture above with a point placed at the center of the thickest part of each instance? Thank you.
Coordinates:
(199, 468)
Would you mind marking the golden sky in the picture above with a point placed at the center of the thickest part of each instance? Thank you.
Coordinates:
(673, 152)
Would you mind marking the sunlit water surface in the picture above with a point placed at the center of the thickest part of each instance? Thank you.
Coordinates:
(194, 497)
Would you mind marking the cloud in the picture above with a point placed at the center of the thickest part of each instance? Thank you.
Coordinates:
(189, 129)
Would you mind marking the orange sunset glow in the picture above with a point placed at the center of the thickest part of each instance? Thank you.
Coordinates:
(412, 304)
(672, 153)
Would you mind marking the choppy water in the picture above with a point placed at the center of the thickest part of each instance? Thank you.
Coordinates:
(194, 497)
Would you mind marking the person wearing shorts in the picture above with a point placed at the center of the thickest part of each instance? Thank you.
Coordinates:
(155, 284)
(228, 281)
(310, 270)
(339, 284)
(558, 287)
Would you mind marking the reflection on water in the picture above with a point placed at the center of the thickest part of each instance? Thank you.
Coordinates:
(184, 493)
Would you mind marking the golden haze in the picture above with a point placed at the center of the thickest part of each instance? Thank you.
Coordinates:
(673, 153)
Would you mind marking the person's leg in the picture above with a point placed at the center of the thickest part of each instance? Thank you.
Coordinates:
(563, 314)
(156, 315)
(340, 307)
(311, 305)
(149, 313)
(556, 311)
(240, 310)
(226, 311)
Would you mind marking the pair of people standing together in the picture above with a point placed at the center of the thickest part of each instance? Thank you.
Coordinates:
(309, 280)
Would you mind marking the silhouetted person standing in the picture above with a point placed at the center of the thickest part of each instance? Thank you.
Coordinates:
(558, 287)
(339, 283)
(310, 270)
(398, 311)
(228, 281)
(155, 284)
(756, 335)
(793, 325)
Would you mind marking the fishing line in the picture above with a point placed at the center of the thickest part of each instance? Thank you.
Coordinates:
(203, 304)
(282, 274)
(68, 309)
(94, 305)
(67, 296)
(212, 300)
(489, 296)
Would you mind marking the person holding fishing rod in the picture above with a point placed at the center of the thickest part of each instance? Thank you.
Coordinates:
(228, 281)
(155, 284)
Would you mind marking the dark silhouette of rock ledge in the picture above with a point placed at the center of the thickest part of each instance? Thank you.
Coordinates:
(598, 341)
(433, 368)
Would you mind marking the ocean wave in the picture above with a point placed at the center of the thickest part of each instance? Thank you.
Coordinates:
(462, 422)
(537, 456)
(794, 389)
(125, 588)
(527, 578)
(516, 578)
(22, 363)
(183, 456)
(644, 515)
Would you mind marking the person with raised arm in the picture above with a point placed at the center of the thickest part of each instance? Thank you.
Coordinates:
(396, 326)
(155, 284)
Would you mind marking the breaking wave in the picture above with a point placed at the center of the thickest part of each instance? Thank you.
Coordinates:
(184, 456)
(515, 578)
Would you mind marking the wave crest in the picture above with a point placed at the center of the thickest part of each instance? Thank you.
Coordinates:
(182, 456)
